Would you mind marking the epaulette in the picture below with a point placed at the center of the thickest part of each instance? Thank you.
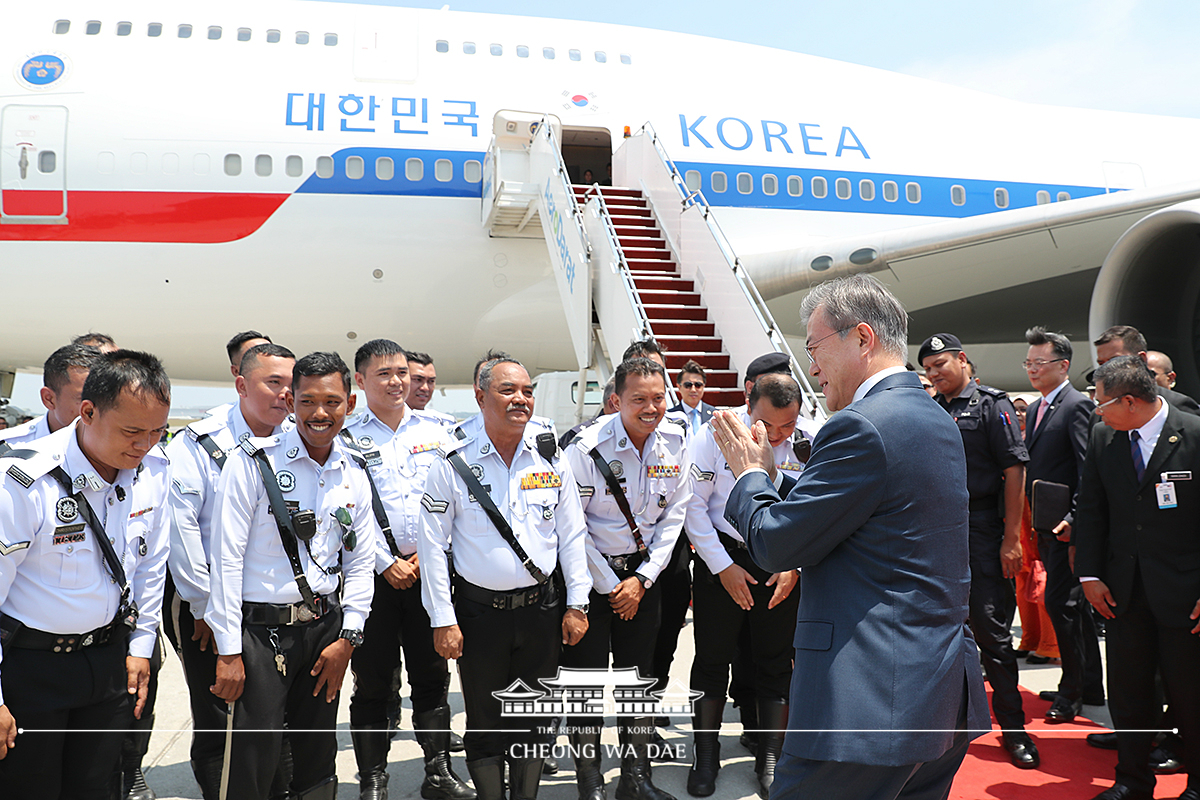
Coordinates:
(256, 443)
(34, 464)
(209, 425)
(681, 424)
(447, 447)
(992, 391)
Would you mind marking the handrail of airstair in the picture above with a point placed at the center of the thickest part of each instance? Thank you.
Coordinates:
(547, 130)
(696, 198)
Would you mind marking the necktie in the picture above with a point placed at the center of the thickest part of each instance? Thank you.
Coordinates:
(695, 420)
(1135, 450)
(1041, 413)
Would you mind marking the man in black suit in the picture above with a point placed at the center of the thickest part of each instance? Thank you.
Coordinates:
(1056, 431)
(1139, 563)
(1125, 340)
(691, 382)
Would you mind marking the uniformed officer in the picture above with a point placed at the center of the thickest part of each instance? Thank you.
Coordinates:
(632, 531)
(506, 501)
(63, 376)
(731, 593)
(996, 458)
(282, 631)
(397, 447)
(83, 557)
(422, 384)
(198, 455)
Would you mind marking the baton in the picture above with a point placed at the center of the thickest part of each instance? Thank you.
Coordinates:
(228, 752)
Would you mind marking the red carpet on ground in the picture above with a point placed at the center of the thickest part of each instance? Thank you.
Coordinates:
(1071, 768)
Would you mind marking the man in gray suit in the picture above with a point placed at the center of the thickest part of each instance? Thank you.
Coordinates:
(887, 689)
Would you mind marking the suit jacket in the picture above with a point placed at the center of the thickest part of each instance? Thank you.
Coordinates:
(1177, 399)
(706, 411)
(1120, 529)
(877, 522)
(1056, 448)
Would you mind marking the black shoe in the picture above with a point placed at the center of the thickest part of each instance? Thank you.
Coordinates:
(1036, 659)
(550, 766)
(456, 743)
(635, 782)
(1164, 762)
(1021, 750)
(1122, 792)
(433, 735)
(135, 786)
(1021, 653)
(1049, 695)
(706, 747)
(1105, 741)
(1064, 710)
(660, 751)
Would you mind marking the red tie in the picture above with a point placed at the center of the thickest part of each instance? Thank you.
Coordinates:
(1041, 413)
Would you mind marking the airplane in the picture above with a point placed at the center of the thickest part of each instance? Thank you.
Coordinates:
(173, 173)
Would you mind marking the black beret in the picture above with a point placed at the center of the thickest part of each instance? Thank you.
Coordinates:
(771, 362)
(938, 343)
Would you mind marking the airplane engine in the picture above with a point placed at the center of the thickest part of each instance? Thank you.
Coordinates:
(1151, 280)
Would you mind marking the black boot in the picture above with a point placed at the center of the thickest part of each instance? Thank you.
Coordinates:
(589, 777)
(434, 737)
(706, 727)
(524, 776)
(208, 777)
(456, 743)
(325, 790)
(488, 776)
(371, 744)
(635, 783)
(281, 783)
(134, 786)
(772, 716)
(749, 712)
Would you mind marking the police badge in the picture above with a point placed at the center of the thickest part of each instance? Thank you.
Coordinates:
(66, 509)
(287, 481)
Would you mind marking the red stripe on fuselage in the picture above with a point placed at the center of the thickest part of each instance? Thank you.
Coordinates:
(194, 217)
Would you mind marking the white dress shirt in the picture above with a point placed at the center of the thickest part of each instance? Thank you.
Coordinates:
(26, 432)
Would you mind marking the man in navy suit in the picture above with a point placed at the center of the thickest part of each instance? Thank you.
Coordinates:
(691, 382)
(887, 689)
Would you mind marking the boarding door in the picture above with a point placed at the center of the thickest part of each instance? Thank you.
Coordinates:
(33, 144)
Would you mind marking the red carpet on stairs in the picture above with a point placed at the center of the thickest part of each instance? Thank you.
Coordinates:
(1071, 768)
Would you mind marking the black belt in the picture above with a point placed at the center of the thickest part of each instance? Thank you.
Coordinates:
(627, 562)
(286, 613)
(983, 503)
(501, 600)
(16, 634)
(731, 544)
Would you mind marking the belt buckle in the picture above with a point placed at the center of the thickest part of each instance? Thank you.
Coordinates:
(301, 613)
(618, 562)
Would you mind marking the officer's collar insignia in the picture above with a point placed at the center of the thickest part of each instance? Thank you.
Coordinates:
(622, 442)
(66, 509)
(477, 471)
(244, 437)
(94, 481)
(79, 482)
(295, 451)
(287, 481)
(487, 448)
(618, 469)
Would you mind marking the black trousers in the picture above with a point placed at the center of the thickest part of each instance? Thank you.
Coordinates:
(993, 601)
(675, 584)
(200, 673)
(270, 699)
(721, 624)
(1138, 646)
(1070, 615)
(500, 647)
(52, 694)
(398, 621)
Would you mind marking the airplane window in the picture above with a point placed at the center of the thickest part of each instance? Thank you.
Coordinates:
(47, 161)
(354, 167)
(324, 167)
(443, 170)
(233, 164)
(200, 164)
(93, 27)
(1064, 196)
(770, 184)
(958, 195)
(185, 31)
(301, 37)
(472, 172)
(718, 182)
(548, 53)
(601, 58)
(154, 29)
(795, 185)
(106, 163)
(214, 32)
(385, 168)
(124, 28)
(273, 37)
(891, 192)
(414, 169)
(841, 188)
(1043, 197)
(496, 49)
(1001, 198)
(243, 34)
(262, 165)
(866, 189)
(819, 187)
(575, 55)
(331, 40)
(62, 26)
(294, 166)
(469, 48)
(442, 46)
(691, 179)
(625, 59)
(170, 163)
(522, 51)
(138, 163)
(745, 183)
(912, 192)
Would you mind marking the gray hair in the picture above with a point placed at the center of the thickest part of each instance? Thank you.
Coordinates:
(1127, 375)
(856, 299)
(485, 371)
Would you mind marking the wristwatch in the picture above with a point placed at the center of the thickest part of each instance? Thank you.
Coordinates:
(583, 608)
(646, 582)
(355, 638)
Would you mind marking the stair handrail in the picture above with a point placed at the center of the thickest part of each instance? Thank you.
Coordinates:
(690, 198)
(547, 130)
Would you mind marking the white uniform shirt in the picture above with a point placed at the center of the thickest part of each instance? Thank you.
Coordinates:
(53, 576)
(194, 478)
(249, 563)
(539, 500)
(439, 417)
(399, 462)
(710, 480)
(654, 483)
(26, 432)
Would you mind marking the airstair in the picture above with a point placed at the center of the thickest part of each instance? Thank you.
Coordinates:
(648, 260)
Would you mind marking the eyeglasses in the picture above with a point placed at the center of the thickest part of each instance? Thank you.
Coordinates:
(692, 385)
(1034, 366)
(809, 349)
(1100, 408)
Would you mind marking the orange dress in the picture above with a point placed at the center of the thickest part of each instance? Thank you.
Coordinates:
(1037, 634)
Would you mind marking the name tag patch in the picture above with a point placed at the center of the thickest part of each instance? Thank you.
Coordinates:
(662, 471)
(541, 480)
(69, 534)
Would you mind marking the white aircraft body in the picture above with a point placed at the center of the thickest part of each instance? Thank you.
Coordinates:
(173, 173)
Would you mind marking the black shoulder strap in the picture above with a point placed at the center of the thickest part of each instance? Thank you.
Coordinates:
(217, 454)
(376, 501)
(618, 494)
(6, 450)
(485, 501)
(283, 520)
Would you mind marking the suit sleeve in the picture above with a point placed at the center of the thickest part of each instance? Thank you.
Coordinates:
(840, 488)
(1078, 431)
(1090, 530)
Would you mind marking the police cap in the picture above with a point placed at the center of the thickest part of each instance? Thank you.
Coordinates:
(938, 343)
